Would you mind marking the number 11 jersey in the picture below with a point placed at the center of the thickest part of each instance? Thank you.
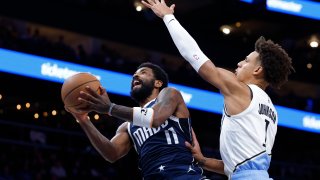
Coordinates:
(162, 151)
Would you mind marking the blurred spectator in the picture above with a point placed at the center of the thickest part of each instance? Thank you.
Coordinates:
(57, 170)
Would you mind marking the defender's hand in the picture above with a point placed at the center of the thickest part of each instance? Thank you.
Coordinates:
(195, 148)
(159, 8)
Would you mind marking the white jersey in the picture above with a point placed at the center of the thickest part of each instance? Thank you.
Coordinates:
(247, 138)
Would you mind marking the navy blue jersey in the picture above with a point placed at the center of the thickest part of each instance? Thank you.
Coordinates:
(162, 151)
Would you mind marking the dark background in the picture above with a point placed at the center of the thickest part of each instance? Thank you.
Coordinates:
(36, 27)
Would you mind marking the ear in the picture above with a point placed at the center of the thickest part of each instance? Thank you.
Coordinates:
(258, 70)
(158, 83)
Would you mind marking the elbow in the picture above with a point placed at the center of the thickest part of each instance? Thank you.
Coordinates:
(111, 159)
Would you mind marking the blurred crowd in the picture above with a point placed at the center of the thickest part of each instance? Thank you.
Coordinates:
(101, 54)
(57, 151)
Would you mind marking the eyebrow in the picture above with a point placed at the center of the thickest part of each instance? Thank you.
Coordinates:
(142, 70)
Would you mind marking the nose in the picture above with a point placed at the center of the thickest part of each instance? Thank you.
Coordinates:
(239, 64)
(135, 76)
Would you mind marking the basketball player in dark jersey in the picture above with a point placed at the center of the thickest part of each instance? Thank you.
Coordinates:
(157, 129)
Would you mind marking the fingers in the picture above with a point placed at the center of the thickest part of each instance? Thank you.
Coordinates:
(194, 136)
(92, 96)
(148, 4)
(163, 2)
(194, 139)
(84, 108)
(102, 90)
(188, 145)
(151, 2)
(92, 92)
(85, 98)
(172, 7)
(88, 97)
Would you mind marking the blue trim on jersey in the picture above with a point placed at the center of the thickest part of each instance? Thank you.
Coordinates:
(251, 175)
(253, 169)
(260, 162)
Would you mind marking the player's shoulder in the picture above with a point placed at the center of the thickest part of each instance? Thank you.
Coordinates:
(171, 93)
(171, 90)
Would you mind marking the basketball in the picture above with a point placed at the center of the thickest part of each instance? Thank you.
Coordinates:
(72, 86)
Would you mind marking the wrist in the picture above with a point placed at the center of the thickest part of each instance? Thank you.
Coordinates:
(110, 109)
(82, 119)
(202, 161)
(167, 18)
(142, 117)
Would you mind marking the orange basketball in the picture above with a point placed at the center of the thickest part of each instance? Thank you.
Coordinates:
(72, 86)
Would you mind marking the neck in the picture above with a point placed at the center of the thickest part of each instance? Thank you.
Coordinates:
(263, 86)
(261, 83)
(144, 102)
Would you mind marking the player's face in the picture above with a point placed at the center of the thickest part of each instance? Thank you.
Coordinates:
(246, 67)
(142, 84)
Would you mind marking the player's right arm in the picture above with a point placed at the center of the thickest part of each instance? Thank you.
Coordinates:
(110, 150)
(222, 79)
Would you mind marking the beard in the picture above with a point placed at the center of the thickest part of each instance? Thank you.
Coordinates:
(142, 93)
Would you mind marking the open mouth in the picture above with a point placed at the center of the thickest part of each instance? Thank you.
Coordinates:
(136, 83)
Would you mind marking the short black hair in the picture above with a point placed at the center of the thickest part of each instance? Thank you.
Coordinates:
(158, 72)
(275, 61)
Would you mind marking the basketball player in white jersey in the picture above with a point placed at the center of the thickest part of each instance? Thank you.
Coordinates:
(249, 122)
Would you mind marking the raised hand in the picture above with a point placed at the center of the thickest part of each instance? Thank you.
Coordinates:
(160, 8)
(94, 101)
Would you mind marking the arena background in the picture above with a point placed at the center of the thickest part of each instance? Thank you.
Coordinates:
(112, 35)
